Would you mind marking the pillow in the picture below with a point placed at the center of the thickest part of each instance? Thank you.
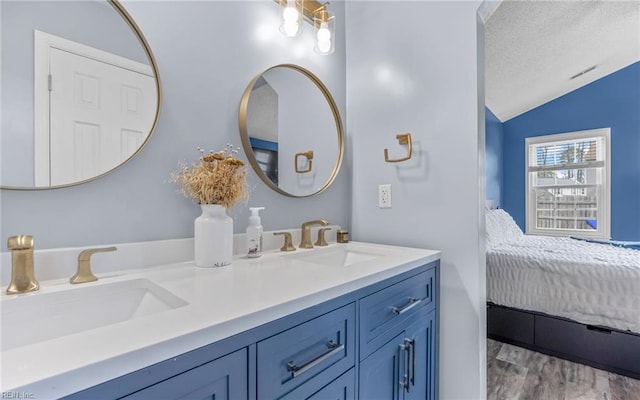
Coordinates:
(494, 235)
(508, 224)
(500, 227)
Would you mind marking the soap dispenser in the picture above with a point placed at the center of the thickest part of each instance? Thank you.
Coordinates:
(254, 233)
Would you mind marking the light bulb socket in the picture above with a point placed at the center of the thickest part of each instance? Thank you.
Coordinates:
(324, 21)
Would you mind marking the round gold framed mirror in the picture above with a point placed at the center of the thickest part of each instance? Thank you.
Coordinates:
(84, 92)
(291, 130)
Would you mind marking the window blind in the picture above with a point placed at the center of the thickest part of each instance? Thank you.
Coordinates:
(567, 154)
(567, 183)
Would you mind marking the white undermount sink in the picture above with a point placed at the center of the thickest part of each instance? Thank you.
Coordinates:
(341, 256)
(36, 317)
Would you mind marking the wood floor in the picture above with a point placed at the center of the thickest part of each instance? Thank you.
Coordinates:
(514, 373)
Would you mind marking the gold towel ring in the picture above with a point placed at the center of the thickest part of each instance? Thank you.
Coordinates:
(309, 156)
(403, 138)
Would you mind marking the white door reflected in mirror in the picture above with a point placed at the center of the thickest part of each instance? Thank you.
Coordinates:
(83, 87)
(99, 112)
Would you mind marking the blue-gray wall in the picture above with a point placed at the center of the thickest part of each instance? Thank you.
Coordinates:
(207, 52)
(493, 157)
(412, 66)
(612, 101)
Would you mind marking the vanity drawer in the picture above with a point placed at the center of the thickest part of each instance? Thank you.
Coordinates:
(380, 312)
(323, 347)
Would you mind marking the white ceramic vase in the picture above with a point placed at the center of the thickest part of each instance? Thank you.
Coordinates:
(213, 237)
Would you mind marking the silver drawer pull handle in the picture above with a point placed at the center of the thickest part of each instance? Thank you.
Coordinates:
(333, 348)
(412, 303)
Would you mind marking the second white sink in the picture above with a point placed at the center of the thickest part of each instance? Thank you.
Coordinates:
(341, 256)
(36, 317)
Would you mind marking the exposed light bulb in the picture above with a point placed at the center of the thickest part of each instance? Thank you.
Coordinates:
(324, 38)
(290, 24)
(290, 13)
(324, 34)
(324, 46)
(291, 28)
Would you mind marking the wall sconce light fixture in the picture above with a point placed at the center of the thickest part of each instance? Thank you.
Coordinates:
(315, 13)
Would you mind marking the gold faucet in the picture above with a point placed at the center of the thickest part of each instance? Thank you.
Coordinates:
(23, 279)
(305, 243)
(84, 273)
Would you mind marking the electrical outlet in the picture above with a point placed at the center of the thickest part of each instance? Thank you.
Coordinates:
(384, 196)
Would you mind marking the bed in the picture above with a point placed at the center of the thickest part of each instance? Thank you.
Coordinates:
(565, 297)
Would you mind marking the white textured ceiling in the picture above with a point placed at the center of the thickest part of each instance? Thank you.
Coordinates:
(533, 48)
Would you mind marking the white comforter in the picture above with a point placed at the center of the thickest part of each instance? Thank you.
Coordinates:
(587, 282)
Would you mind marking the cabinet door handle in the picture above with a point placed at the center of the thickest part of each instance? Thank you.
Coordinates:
(410, 376)
(402, 367)
(333, 348)
(405, 352)
(412, 343)
(412, 303)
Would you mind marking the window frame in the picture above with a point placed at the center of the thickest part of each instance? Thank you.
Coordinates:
(603, 230)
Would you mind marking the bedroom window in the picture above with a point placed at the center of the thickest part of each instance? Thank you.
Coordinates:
(568, 189)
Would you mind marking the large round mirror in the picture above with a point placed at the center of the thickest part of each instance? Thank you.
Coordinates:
(80, 92)
(291, 131)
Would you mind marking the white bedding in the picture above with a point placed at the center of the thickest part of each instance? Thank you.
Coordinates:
(587, 282)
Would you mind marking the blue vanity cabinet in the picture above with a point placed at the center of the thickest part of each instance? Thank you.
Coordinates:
(377, 342)
(222, 379)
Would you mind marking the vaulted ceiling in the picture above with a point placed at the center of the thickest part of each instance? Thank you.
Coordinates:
(536, 51)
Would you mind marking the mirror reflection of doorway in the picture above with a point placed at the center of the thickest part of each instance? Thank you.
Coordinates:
(93, 109)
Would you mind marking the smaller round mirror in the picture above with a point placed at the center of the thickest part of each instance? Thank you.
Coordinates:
(291, 131)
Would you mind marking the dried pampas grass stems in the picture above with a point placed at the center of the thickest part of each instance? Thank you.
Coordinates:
(219, 178)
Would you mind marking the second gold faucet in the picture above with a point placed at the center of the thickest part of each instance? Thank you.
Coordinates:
(305, 242)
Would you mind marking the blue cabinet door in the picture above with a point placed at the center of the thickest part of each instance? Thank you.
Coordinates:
(405, 367)
(342, 388)
(421, 362)
(222, 379)
(380, 373)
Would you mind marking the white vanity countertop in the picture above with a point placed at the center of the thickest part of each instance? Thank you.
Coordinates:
(221, 302)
